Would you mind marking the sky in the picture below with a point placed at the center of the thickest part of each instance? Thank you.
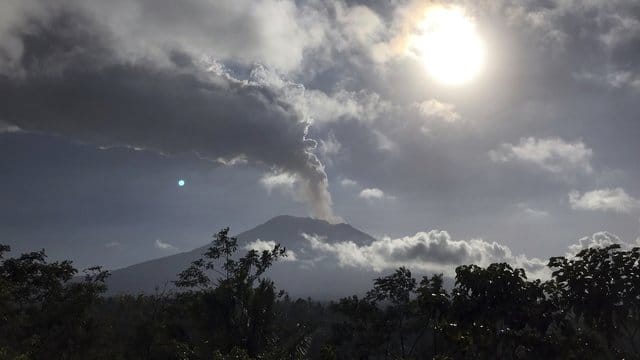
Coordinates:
(511, 123)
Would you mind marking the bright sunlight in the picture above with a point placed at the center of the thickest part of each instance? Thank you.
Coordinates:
(448, 44)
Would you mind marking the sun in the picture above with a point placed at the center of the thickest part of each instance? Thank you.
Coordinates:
(448, 44)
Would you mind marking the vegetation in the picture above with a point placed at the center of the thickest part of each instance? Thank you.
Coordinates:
(228, 309)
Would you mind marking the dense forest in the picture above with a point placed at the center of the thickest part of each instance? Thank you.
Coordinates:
(226, 308)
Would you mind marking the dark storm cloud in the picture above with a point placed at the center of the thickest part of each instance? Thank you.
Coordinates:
(72, 82)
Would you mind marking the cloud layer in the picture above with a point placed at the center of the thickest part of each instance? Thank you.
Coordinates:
(436, 252)
(433, 251)
(79, 79)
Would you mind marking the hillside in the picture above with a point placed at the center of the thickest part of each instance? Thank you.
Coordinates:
(309, 275)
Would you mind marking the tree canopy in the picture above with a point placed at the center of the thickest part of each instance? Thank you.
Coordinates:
(225, 307)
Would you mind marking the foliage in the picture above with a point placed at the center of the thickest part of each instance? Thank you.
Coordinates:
(43, 311)
(238, 301)
(601, 288)
(224, 307)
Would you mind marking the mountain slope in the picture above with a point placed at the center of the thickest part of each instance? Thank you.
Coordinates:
(321, 278)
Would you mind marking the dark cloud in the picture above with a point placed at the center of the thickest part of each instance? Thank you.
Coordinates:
(73, 84)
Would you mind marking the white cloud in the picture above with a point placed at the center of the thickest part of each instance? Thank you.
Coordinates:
(553, 155)
(599, 239)
(144, 29)
(433, 251)
(330, 147)
(236, 160)
(532, 212)
(363, 106)
(279, 180)
(434, 109)
(603, 200)
(359, 23)
(261, 245)
(273, 32)
(372, 194)
(348, 182)
(8, 128)
(164, 245)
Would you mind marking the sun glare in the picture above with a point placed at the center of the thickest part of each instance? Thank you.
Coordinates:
(447, 42)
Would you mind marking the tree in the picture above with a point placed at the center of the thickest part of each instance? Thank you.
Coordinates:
(359, 332)
(501, 313)
(433, 304)
(600, 288)
(237, 305)
(44, 311)
(395, 292)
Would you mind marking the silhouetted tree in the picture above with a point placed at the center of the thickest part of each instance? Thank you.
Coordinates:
(600, 288)
(433, 304)
(359, 332)
(44, 312)
(394, 292)
(234, 300)
(226, 308)
(500, 314)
